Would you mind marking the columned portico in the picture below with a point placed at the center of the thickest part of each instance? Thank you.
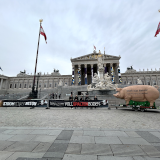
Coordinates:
(84, 67)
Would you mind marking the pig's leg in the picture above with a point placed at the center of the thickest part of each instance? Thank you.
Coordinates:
(151, 103)
(127, 99)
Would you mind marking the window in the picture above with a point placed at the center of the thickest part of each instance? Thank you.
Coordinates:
(154, 82)
(55, 85)
(25, 86)
(10, 85)
(148, 83)
(45, 85)
(29, 85)
(50, 85)
(15, 86)
(124, 82)
(19, 85)
(40, 85)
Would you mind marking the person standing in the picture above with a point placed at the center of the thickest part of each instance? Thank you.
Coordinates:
(59, 96)
(56, 95)
(53, 95)
(95, 99)
(71, 99)
(76, 99)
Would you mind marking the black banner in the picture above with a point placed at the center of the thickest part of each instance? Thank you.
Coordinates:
(63, 103)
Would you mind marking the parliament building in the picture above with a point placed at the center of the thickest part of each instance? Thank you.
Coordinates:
(83, 69)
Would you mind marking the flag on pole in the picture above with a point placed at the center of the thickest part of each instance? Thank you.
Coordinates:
(94, 47)
(43, 34)
(158, 30)
(1, 68)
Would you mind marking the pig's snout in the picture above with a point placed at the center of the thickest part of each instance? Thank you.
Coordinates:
(116, 95)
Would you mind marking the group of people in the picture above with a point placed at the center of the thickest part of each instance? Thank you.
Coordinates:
(86, 98)
(55, 95)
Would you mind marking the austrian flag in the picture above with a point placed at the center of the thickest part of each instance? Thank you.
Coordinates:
(158, 30)
(43, 33)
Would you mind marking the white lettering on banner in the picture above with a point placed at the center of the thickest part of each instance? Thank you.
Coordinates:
(68, 104)
(93, 103)
(19, 103)
(8, 103)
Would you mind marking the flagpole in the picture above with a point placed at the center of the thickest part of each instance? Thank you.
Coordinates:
(33, 87)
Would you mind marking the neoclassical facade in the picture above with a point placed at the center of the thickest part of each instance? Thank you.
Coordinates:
(25, 81)
(84, 67)
(147, 77)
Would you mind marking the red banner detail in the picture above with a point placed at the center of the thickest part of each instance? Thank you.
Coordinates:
(80, 103)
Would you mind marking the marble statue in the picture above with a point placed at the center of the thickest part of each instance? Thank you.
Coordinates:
(139, 81)
(60, 83)
(95, 78)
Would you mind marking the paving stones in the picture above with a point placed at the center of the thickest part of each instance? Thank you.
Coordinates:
(93, 133)
(126, 150)
(115, 133)
(74, 148)
(82, 139)
(4, 137)
(79, 157)
(114, 158)
(133, 140)
(107, 140)
(65, 135)
(148, 136)
(150, 151)
(5, 144)
(44, 138)
(96, 149)
(21, 137)
(42, 147)
(22, 146)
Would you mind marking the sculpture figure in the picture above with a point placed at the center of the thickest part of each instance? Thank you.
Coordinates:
(139, 81)
(95, 78)
(60, 83)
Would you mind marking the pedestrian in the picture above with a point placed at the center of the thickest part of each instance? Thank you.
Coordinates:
(59, 96)
(86, 98)
(95, 99)
(71, 99)
(76, 99)
(81, 99)
(56, 95)
(53, 95)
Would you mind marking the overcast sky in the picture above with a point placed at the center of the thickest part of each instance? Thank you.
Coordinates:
(123, 27)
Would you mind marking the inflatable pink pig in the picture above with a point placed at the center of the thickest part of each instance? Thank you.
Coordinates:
(138, 93)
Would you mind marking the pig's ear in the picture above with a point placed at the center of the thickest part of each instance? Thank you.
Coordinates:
(118, 89)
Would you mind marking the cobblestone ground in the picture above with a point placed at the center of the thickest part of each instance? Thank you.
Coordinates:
(80, 118)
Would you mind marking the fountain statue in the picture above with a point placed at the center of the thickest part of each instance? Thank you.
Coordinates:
(103, 81)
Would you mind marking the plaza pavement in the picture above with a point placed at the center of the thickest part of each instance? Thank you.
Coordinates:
(20, 140)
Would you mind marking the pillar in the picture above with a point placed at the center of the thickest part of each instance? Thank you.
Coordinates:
(79, 74)
(112, 72)
(91, 72)
(85, 71)
(72, 74)
(105, 68)
(119, 74)
(1, 87)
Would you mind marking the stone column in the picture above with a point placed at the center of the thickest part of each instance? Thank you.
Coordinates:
(156, 80)
(144, 80)
(79, 74)
(91, 72)
(48, 83)
(1, 87)
(150, 81)
(116, 73)
(105, 68)
(112, 72)
(13, 84)
(63, 82)
(73, 74)
(85, 71)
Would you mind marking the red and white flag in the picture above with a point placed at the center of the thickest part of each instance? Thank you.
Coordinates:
(94, 47)
(43, 33)
(158, 30)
